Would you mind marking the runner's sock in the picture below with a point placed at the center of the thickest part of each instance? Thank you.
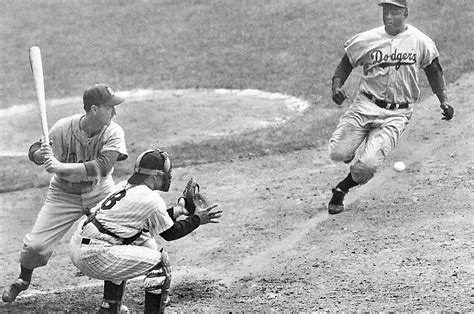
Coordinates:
(347, 183)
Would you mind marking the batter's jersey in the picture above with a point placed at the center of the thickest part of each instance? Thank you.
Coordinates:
(132, 209)
(391, 63)
(71, 145)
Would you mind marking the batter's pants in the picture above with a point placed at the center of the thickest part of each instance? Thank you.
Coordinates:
(59, 212)
(368, 133)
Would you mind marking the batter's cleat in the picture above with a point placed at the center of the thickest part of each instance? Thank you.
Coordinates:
(11, 292)
(335, 205)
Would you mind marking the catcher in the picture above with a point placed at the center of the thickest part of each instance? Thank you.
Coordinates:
(116, 242)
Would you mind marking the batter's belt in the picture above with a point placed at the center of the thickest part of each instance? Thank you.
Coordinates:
(77, 188)
(386, 105)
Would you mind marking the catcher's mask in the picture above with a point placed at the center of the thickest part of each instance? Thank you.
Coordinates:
(151, 163)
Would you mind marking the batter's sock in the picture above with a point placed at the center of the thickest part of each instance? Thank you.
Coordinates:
(346, 184)
(25, 273)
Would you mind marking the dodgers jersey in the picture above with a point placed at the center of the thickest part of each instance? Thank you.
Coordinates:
(391, 63)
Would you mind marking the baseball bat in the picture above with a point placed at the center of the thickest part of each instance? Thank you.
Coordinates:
(37, 69)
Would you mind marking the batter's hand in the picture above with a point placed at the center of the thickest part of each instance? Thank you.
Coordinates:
(206, 215)
(338, 95)
(448, 111)
(52, 165)
(46, 150)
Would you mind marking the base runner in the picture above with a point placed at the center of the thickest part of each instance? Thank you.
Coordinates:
(391, 57)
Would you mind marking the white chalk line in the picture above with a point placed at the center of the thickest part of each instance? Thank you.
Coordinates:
(292, 103)
(254, 264)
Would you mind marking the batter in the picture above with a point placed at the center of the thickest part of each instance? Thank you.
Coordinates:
(81, 155)
(391, 57)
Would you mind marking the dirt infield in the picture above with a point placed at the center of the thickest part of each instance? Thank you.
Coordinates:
(404, 243)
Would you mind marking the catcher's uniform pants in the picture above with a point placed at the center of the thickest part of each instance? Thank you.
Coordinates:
(109, 259)
(59, 212)
(368, 133)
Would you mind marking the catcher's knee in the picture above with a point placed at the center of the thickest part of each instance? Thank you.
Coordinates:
(158, 280)
(362, 172)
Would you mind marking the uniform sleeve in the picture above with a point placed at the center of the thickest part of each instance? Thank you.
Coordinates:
(102, 165)
(357, 46)
(114, 140)
(159, 220)
(181, 228)
(350, 48)
(428, 49)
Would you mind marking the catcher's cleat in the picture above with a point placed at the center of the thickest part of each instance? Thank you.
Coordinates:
(107, 307)
(11, 292)
(335, 205)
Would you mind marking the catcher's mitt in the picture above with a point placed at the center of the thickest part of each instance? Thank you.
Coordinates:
(193, 198)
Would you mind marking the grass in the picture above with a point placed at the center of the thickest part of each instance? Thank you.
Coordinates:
(285, 46)
(281, 45)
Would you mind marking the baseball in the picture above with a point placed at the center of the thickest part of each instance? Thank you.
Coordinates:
(399, 166)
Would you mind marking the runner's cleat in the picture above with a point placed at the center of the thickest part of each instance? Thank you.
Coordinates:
(335, 205)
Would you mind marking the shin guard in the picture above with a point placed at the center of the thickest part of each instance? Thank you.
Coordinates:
(157, 286)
